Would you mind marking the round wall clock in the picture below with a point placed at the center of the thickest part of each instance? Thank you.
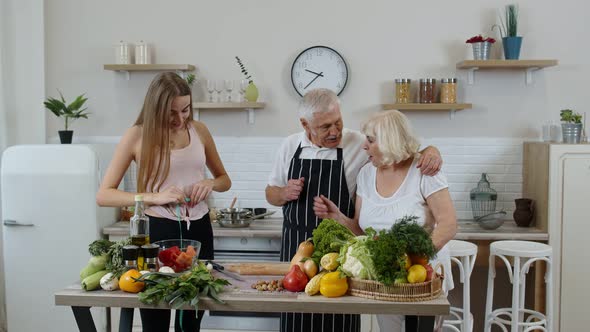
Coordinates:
(319, 67)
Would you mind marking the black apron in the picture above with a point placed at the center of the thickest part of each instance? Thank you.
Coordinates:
(322, 177)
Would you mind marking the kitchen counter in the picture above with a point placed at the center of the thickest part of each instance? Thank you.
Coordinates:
(271, 228)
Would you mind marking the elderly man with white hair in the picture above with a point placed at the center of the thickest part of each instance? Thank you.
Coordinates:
(324, 159)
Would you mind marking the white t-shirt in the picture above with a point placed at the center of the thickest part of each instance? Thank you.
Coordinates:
(352, 153)
(410, 199)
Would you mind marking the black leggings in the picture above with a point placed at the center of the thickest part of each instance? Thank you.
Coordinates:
(158, 320)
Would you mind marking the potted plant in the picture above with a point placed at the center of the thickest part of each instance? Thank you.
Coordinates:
(509, 33)
(69, 112)
(481, 46)
(190, 78)
(251, 92)
(571, 126)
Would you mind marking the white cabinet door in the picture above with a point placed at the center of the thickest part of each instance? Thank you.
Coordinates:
(575, 235)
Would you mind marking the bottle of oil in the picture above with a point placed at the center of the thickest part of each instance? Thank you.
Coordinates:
(139, 229)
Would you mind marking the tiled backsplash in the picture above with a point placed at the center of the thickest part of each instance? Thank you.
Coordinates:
(248, 161)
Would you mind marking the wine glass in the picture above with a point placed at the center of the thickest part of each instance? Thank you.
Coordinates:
(210, 89)
(219, 89)
(229, 86)
(243, 85)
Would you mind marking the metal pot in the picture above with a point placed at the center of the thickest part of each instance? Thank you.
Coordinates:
(234, 217)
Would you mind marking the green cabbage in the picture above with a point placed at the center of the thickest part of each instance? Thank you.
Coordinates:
(356, 259)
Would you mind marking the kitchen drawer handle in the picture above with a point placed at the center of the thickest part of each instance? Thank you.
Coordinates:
(8, 222)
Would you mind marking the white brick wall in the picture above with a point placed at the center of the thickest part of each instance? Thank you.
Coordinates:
(248, 161)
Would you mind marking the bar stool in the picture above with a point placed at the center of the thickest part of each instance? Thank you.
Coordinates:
(530, 252)
(463, 253)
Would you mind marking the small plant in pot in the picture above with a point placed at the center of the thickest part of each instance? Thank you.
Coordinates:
(509, 32)
(70, 112)
(571, 126)
(481, 46)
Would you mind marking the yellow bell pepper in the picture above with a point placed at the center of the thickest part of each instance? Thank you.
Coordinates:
(331, 285)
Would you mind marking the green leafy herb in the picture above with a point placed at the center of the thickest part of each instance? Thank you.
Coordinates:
(179, 289)
(387, 253)
(416, 238)
(115, 263)
(99, 247)
(389, 246)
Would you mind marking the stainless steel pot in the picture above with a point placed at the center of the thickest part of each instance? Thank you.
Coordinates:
(234, 217)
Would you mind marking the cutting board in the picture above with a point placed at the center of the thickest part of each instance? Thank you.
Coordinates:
(271, 269)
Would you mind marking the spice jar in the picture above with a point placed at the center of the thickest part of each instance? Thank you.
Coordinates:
(130, 253)
(427, 86)
(402, 90)
(448, 90)
(150, 256)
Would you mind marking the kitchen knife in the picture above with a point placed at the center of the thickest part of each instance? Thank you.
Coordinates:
(221, 269)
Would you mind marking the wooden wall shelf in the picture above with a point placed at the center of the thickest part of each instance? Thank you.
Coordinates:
(527, 65)
(179, 68)
(451, 108)
(248, 106)
(153, 67)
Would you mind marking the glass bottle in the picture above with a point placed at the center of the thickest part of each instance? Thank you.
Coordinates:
(150, 256)
(130, 253)
(483, 198)
(448, 90)
(427, 90)
(402, 90)
(139, 228)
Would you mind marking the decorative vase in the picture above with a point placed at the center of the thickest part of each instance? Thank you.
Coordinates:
(571, 132)
(511, 47)
(65, 136)
(481, 50)
(251, 93)
(524, 212)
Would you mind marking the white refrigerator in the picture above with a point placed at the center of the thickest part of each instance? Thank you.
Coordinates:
(49, 216)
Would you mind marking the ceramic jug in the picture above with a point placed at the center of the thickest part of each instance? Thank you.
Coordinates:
(524, 212)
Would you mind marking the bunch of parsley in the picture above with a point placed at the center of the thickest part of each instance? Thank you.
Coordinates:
(389, 246)
(416, 238)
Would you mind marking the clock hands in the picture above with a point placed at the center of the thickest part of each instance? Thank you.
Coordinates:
(315, 78)
(313, 72)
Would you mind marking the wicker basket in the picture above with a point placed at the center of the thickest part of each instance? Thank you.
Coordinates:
(375, 290)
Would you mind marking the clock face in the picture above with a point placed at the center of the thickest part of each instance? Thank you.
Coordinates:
(319, 67)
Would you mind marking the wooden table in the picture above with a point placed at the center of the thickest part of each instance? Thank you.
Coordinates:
(240, 297)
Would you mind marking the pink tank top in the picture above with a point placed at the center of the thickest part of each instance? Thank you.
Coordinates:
(187, 167)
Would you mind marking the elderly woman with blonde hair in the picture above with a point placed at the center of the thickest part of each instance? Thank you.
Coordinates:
(389, 188)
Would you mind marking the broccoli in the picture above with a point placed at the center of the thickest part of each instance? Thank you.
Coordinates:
(329, 236)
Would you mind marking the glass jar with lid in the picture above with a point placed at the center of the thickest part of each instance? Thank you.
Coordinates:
(427, 90)
(448, 90)
(402, 90)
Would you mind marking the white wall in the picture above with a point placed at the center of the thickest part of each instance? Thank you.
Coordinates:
(380, 40)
